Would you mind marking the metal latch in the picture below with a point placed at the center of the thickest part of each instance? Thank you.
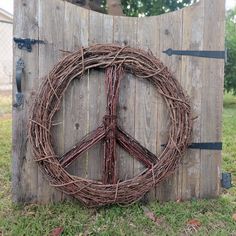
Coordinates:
(226, 180)
(19, 71)
(26, 43)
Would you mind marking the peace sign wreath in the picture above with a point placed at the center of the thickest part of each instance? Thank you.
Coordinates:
(115, 60)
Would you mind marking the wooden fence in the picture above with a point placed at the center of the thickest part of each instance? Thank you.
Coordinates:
(142, 113)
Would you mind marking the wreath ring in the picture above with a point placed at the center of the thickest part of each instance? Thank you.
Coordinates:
(48, 100)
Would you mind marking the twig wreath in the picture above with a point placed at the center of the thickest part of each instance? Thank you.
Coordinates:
(116, 60)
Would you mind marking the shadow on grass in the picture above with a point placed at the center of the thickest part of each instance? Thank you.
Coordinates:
(229, 101)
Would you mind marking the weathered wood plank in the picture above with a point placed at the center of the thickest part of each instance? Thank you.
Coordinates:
(192, 75)
(75, 107)
(51, 29)
(25, 171)
(212, 97)
(170, 37)
(141, 111)
(125, 33)
(146, 116)
(100, 31)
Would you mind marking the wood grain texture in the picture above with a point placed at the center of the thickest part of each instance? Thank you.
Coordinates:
(100, 31)
(141, 112)
(75, 107)
(146, 117)
(25, 171)
(170, 37)
(191, 80)
(51, 30)
(212, 97)
(125, 33)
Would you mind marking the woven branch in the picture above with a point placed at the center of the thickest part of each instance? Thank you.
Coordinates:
(48, 101)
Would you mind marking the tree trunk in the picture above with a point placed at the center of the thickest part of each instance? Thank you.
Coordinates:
(114, 8)
(95, 5)
(89, 4)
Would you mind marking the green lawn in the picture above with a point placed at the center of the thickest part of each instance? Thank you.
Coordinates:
(213, 217)
(229, 134)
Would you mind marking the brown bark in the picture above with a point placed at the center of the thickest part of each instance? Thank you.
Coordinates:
(89, 4)
(95, 5)
(114, 8)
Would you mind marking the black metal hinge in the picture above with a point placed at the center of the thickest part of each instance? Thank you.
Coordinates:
(207, 54)
(26, 43)
(206, 145)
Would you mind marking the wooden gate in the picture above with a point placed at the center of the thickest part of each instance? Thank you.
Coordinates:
(142, 113)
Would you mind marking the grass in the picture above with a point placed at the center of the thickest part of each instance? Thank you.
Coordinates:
(214, 216)
(5, 103)
(229, 134)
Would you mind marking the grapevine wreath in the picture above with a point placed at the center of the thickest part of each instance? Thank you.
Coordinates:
(115, 60)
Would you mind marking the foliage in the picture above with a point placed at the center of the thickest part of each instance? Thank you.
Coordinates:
(152, 7)
(230, 66)
(148, 8)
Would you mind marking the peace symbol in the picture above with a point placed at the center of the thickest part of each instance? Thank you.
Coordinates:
(112, 134)
(116, 60)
